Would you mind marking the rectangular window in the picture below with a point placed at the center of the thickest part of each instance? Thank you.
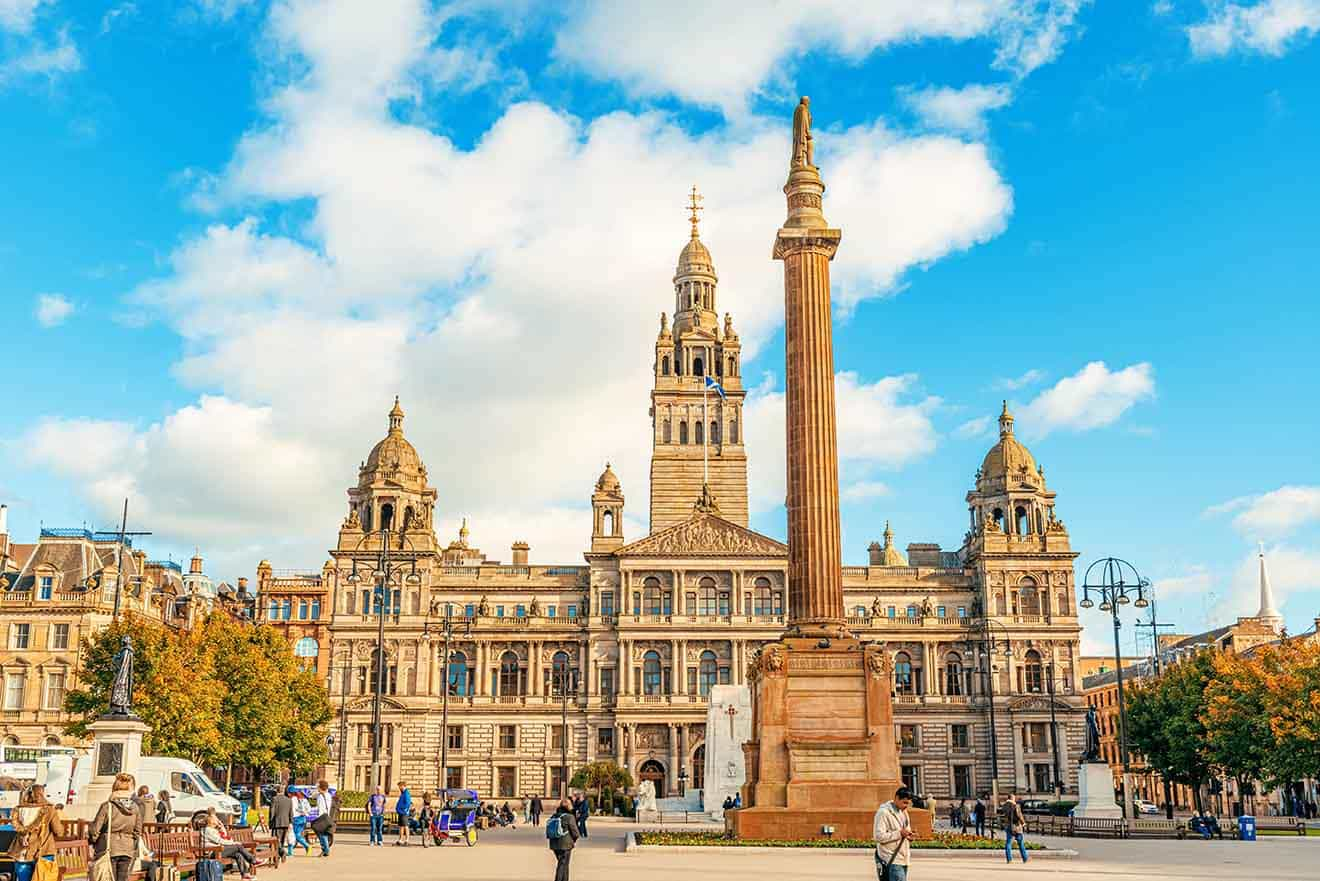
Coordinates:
(891, 612)
(557, 780)
(940, 610)
(287, 609)
(724, 676)
(1041, 777)
(911, 775)
(54, 691)
(572, 610)
(302, 610)
(59, 636)
(19, 636)
(962, 611)
(454, 737)
(550, 611)
(46, 588)
(454, 777)
(908, 738)
(912, 611)
(509, 737)
(469, 610)
(607, 682)
(556, 736)
(607, 602)
(960, 738)
(316, 610)
(692, 681)
(605, 741)
(508, 782)
(962, 781)
(1033, 736)
(499, 611)
(273, 612)
(690, 605)
(14, 685)
(366, 602)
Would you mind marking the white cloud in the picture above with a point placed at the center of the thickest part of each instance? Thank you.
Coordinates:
(122, 10)
(38, 59)
(1195, 582)
(957, 110)
(880, 426)
(1161, 7)
(52, 309)
(863, 490)
(1270, 27)
(974, 428)
(18, 15)
(1013, 383)
(1273, 514)
(1093, 397)
(1294, 571)
(720, 54)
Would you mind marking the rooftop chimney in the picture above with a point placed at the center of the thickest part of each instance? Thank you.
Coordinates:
(877, 553)
(520, 549)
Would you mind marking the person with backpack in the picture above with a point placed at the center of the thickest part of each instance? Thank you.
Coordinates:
(562, 832)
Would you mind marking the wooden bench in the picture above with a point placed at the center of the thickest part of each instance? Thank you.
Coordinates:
(263, 846)
(1099, 827)
(1275, 824)
(73, 855)
(1047, 824)
(1156, 829)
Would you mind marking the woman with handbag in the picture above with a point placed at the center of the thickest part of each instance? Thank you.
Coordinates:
(38, 824)
(116, 831)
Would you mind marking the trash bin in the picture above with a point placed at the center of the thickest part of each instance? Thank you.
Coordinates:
(1247, 827)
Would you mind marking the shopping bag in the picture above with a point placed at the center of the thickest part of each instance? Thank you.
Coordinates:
(209, 870)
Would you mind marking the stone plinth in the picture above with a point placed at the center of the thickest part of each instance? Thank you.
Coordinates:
(824, 751)
(1095, 787)
(726, 732)
(116, 748)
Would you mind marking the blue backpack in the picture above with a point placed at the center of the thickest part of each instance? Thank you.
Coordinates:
(554, 828)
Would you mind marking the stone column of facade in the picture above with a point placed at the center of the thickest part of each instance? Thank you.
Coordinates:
(671, 784)
(680, 668)
(534, 667)
(624, 651)
(806, 244)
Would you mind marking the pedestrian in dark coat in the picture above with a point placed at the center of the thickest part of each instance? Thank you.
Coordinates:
(562, 847)
(978, 816)
(281, 819)
(581, 811)
(536, 810)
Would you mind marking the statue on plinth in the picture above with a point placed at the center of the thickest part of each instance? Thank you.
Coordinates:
(1092, 752)
(121, 689)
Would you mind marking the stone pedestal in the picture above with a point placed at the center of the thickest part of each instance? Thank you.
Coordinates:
(728, 727)
(1095, 787)
(116, 748)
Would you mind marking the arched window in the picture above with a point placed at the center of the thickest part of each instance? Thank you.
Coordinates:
(766, 600)
(697, 438)
(607, 523)
(11, 740)
(307, 647)
(668, 433)
(954, 674)
(664, 366)
(698, 368)
(459, 685)
(708, 597)
(1028, 597)
(714, 432)
(733, 367)
(366, 518)
(682, 431)
(998, 514)
(1033, 678)
(733, 430)
(52, 740)
(1021, 522)
(391, 674)
(510, 674)
(560, 674)
(651, 677)
(708, 673)
(903, 673)
(652, 597)
(387, 516)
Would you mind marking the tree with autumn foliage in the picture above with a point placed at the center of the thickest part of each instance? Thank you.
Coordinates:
(1165, 722)
(1238, 736)
(1291, 675)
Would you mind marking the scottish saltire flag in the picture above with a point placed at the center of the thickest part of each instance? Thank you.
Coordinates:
(713, 386)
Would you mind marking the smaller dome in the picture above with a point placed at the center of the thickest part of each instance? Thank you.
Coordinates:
(1009, 456)
(608, 482)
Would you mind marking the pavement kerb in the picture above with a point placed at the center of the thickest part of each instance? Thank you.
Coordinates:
(918, 854)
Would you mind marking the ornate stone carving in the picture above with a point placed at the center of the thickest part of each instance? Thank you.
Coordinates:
(773, 660)
(705, 535)
(877, 663)
(352, 521)
(483, 606)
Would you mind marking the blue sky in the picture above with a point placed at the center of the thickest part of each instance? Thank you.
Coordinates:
(232, 231)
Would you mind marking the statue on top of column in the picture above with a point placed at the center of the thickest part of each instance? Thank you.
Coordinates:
(121, 688)
(803, 149)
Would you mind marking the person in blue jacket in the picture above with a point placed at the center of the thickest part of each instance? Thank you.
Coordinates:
(403, 807)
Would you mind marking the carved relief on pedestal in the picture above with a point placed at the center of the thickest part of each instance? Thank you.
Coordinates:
(651, 737)
(877, 662)
(772, 660)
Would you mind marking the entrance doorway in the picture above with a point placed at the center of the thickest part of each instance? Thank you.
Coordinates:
(655, 772)
(699, 767)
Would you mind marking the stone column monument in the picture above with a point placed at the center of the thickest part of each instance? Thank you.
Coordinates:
(823, 751)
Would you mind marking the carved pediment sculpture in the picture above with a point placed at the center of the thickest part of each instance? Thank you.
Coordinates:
(705, 535)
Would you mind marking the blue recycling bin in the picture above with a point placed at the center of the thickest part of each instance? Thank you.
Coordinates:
(1247, 827)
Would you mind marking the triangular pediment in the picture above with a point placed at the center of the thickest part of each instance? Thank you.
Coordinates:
(704, 535)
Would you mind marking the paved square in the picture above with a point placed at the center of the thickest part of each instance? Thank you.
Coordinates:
(521, 855)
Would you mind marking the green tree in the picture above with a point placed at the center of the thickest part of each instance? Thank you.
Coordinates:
(603, 777)
(174, 690)
(1238, 736)
(1165, 722)
(303, 746)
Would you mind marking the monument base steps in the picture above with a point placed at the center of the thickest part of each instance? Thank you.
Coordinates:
(785, 824)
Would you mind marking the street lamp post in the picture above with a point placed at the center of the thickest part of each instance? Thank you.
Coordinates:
(447, 633)
(1116, 583)
(567, 683)
(383, 575)
(1054, 741)
(989, 647)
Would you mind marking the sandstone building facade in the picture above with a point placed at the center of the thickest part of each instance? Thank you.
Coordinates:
(644, 627)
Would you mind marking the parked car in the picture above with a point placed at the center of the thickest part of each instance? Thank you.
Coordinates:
(268, 791)
(1146, 807)
(1034, 806)
(241, 792)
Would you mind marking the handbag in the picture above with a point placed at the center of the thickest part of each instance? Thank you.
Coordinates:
(45, 870)
(101, 869)
(209, 870)
(321, 825)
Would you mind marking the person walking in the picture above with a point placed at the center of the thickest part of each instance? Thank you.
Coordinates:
(562, 832)
(978, 816)
(1014, 825)
(280, 821)
(302, 812)
(961, 813)
(164, 808)
(116, 829)
(324, 823)
(214, 835)
(536, 810)
(376, 818)
(582, 811)
(403, 807)
(892, 830)
(424, 818)
(38, 825)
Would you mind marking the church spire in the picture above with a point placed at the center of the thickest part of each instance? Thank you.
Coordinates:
(396, 417)
(1005, 421)
(1267, 614)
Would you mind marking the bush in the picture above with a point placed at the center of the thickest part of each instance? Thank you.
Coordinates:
(623, 804)
(352, 798)
(938, 841)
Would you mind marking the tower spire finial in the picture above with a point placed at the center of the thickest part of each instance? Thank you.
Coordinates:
(694, 205)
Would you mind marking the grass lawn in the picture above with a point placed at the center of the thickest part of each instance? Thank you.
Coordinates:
(1314, 833)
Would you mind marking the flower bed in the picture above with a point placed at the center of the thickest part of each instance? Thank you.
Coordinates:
(938, 841)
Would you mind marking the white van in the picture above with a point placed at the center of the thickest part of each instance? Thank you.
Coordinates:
(189, 787)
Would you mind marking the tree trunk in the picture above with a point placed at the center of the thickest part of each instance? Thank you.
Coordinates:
(1168, 798)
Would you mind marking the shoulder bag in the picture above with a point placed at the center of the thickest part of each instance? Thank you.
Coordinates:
(45, 870)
